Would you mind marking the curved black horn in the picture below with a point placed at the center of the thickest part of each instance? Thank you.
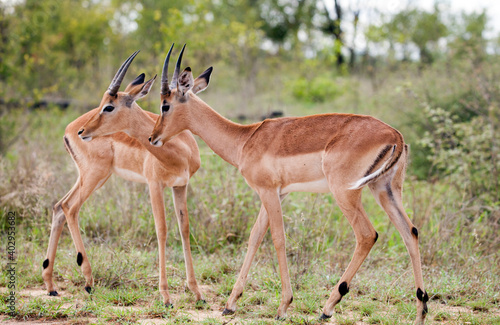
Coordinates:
(164, 74)
(120, 74)
(177, 69)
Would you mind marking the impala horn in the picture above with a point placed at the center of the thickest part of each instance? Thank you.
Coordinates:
(120, 74)
(165, 89)
(177, 69)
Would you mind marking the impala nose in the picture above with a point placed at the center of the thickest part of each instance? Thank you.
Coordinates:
(80, 132)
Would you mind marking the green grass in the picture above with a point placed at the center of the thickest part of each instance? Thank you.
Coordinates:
(458, 240)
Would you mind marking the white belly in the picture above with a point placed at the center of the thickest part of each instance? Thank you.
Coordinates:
(319, 186)
(130, 175)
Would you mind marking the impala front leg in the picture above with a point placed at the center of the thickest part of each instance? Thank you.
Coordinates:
(271, 202)
(180, 205)
(156, 193)
(256, 236)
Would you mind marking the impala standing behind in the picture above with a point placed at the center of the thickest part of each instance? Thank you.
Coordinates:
(112, 151)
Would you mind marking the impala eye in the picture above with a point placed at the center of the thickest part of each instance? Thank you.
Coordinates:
(108, 108)
(165, 108)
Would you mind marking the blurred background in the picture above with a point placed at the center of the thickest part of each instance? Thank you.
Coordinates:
(430, 69)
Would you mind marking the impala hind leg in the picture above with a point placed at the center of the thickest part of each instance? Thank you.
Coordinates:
(58, 221)
(71, 207)
(257, 234)
(180, 204)
(349, 202)
(388, 194)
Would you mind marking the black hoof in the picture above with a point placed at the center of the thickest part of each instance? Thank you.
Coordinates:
(169, 306)
(201, 302)
(88, 289)
(280, 318)
(53, 293)
(324, 317)
(227, 312)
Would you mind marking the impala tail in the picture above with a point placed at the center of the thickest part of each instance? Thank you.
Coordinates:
(388, 164)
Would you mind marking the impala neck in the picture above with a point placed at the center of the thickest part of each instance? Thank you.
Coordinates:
(141, 130)
(223, 136)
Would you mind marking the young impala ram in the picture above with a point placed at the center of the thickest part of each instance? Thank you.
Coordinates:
(115, 138)
(337, 153)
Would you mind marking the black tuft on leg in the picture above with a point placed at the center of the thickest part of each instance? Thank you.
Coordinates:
(88, 289)
(324, 317)
(414, 231)
(45, 264)
(343, 288)
(291, 300)
(53, 293)
(422, 295)
(227, 312)
(376, 236)
(79, 259)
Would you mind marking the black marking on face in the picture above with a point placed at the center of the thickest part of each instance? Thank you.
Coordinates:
(376, 236)
(139, 80)
(343, 288)
(79, 259)
(128, 101)
(380, 156)
(88, 289)
(45, 263)
(414, 231)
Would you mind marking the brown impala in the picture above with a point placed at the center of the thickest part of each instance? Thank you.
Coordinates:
(337, 153)
(115, 138)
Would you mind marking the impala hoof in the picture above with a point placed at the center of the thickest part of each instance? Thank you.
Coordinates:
(279, 318)
(201, 302)
(324, 317)
(227, 312)
(53, 293)
(169, 305)
(88, 289)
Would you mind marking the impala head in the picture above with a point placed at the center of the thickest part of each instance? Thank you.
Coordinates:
(176, 100)
(114, 113)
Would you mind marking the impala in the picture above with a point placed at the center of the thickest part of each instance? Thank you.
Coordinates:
(106, 151)
(337, 153)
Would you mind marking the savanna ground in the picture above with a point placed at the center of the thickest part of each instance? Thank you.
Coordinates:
(446, 103)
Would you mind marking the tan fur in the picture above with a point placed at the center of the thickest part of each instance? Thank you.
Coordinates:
(303, 153)
(132, 157)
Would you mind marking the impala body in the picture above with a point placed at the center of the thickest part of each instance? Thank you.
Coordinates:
(337, 153)
(115, 142)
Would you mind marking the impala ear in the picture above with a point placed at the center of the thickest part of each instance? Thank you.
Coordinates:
(201, 83)
(185, 81)
(142, 89)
